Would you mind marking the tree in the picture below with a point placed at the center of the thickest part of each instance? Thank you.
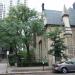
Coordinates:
(57, 46)
(30, 22)
(37, 29)
(19, 27)
(9, 34)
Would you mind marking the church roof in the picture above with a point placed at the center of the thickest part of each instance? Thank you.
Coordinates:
(72, 16)
(55, 17)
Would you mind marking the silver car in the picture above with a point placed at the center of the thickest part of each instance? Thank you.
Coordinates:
(64, 67)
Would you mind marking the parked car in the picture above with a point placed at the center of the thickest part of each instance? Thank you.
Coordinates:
(64, 67)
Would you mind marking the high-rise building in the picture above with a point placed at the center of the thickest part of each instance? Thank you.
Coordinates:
(1, 10)
(18, 1)
(4, 12)
(24, 2)
(11, 3)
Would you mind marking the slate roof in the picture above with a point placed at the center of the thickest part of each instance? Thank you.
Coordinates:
(55, 17)
(72, 16)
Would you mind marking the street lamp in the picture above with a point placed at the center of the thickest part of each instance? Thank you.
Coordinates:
(7, 62)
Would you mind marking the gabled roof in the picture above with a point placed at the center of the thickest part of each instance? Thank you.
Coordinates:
(55, 17)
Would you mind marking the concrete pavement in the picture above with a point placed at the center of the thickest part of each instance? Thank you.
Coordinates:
(28, 70)
(21, 70)
(3, 67)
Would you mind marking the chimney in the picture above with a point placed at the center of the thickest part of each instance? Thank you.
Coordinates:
(42, 6)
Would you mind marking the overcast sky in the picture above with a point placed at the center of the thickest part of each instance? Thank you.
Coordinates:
(49, 4)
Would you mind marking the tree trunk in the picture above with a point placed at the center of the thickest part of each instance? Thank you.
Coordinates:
(28, 52)
(16, 58)
(11, 49)
(34, 40)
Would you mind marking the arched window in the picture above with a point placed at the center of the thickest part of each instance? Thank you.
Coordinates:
(40, 50)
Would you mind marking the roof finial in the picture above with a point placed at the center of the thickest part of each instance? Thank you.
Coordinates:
(65, 11)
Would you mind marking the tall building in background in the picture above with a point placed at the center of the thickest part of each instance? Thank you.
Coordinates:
(25, 2)
(4, 12)
(18, 1)
(11, 3)
(6, 4)
(1, 10)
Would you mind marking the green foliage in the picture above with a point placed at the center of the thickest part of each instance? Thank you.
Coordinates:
(12, 59)
(19, 28)
(37, 26)
(21, 13)
(22, 54)
(23, 62)
(57, 46)
(22, 58)
(28, 64)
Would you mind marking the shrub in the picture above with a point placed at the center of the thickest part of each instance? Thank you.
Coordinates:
(12, 59)
(22, 60)
(24, 63)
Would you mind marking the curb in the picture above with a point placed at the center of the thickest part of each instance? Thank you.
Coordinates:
(29, 72)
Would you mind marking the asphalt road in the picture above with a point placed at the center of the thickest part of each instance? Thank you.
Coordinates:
(47, 73)
(51, 74)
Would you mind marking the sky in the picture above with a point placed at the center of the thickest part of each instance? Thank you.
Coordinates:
(49, 4)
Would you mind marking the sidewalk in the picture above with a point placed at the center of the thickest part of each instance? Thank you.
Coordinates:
(3, 67)
(22, 70)
(28, 70)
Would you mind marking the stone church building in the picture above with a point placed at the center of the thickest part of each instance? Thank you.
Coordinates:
(64, 19)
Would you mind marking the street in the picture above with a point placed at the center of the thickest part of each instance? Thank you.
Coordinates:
(47, 73)
(51, 74)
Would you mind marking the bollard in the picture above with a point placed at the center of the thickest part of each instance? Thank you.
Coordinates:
(43, 65)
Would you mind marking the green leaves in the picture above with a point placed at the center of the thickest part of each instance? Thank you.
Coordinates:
(57, 46)
(21, 13)
(18, 27)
